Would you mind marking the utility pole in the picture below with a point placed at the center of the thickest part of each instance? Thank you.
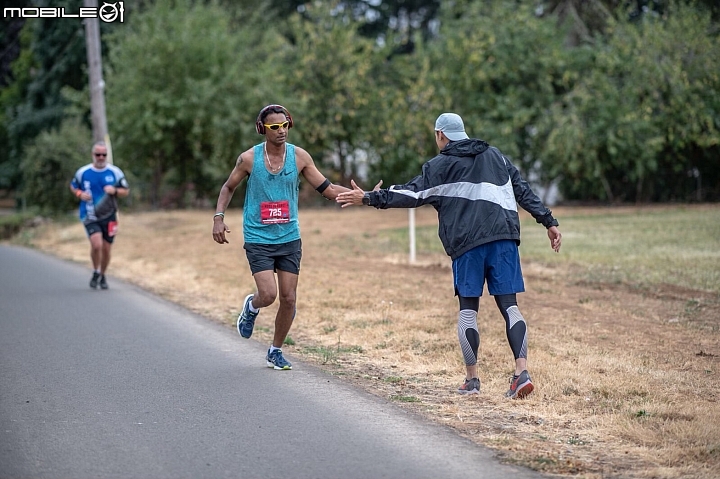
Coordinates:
(97, 84)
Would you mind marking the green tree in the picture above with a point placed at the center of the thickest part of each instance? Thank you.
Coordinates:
(644, 116)
(501, 66)
(52, 55)
(327, 74)
(401, 117)
(50, 161)
(397, 22)
(11, 96)
(181, 115)
(682, 71)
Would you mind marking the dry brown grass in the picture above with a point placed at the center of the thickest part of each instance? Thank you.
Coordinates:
(624, 388)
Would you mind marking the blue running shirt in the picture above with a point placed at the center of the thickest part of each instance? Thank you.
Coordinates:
(270, 214)
(92, 180)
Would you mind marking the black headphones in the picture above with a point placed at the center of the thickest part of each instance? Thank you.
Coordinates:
(260, 127)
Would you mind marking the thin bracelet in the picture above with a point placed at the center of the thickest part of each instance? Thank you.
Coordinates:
(219, 214)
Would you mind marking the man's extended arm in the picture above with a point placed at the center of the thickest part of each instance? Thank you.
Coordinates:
(317, 180)
(239, 172)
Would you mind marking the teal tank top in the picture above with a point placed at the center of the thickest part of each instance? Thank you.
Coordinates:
(270, 214)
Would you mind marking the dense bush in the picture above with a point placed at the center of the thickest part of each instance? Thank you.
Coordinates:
(49, 164)
(627, 109)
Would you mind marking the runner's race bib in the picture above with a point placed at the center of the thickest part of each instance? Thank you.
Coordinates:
(274, 212)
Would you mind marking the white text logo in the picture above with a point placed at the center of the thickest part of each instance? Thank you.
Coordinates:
(109, 12)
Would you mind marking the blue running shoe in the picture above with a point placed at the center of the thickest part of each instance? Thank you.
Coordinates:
(276, 360)
(246, 320)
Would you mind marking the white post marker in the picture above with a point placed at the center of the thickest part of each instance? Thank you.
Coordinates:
(411, 231)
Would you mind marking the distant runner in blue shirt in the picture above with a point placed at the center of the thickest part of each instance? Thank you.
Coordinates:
(97, 186)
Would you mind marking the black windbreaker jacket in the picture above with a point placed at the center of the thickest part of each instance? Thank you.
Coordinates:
(475, 190)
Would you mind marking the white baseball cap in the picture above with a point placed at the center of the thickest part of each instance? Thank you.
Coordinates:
(452, 126)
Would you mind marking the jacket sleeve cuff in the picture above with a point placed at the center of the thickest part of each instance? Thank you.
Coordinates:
(548, 221)
(370, 199)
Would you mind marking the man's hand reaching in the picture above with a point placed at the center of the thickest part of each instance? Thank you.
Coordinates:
(355, 196)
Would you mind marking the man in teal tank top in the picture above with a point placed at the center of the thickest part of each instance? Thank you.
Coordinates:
(270, 222)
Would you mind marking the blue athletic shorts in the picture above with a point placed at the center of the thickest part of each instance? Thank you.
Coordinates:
(497, 262)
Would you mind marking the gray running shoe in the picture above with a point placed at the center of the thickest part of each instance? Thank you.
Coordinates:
(470, 386)
(246, 320)
(103, 282)
(520, 386)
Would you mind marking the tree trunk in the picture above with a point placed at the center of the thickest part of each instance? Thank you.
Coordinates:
(608, 190)
(156, 181)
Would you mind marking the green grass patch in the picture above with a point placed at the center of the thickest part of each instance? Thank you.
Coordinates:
(324, 354)
(400, 398)
(675, 245)
(330, 354)
(393, 379)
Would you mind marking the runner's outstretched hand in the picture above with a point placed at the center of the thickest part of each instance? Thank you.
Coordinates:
(355, 196)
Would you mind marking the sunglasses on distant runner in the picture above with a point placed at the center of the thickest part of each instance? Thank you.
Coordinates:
(100, 154)
(277, 126)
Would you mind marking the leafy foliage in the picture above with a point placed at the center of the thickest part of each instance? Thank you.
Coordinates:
(52, 57)
(502, 81)
(620, 128)
(328, 70)
(398, 21)
(179, 113)
(402, 114)
(610, 103)
(50, 162)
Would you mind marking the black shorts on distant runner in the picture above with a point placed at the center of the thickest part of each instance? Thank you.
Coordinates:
(274, 257)
(107, 226)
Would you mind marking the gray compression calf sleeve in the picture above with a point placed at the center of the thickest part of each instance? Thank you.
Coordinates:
(468, 335)
(515, 326)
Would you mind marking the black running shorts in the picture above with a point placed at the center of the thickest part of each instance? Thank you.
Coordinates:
(274, 257)
(108, 228)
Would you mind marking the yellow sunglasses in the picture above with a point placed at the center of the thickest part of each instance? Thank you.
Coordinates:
(277, 126)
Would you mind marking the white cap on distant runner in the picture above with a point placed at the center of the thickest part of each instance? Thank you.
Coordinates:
(452, 126)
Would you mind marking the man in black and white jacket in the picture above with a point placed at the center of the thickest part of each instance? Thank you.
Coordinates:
(476, 191)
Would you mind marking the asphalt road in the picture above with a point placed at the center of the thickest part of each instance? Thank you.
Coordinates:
(122, 384)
